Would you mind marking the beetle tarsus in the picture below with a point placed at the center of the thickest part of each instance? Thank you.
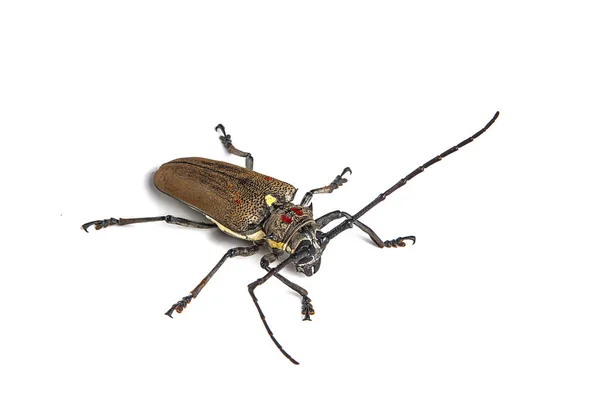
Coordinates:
(226, 139)
(179, 306)
(399, 242)
(307, 308)
(99, 224)
(339, 180)
(335, 184)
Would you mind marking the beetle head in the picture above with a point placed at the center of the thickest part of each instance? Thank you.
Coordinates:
(307, 250)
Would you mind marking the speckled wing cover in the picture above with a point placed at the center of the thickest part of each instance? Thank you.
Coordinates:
(231, 195)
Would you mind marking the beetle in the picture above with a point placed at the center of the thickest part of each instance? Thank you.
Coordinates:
(260, 209)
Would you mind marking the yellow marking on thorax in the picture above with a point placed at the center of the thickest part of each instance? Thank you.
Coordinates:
(276, 245)
(258, 235)
(270, 200)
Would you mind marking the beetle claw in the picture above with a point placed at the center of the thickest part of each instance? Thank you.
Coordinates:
(168, 313)
(89, 224)
(399, 242)
(411, 238)
(179, 306)
(99, 224)
(226, 137)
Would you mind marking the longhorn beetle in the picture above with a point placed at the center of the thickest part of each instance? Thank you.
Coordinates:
(258, 208)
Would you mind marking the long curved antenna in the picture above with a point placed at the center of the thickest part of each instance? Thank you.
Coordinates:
(348, 223)
(253, 286)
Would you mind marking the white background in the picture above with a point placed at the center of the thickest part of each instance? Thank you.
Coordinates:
(499, 297)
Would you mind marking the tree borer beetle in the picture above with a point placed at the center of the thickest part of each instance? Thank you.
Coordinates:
(258, 208)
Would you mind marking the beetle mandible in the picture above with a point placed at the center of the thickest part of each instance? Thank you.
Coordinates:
(258, 208)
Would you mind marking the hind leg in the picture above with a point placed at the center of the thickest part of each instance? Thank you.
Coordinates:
(244, 251)
(99, 224)
(226, 140)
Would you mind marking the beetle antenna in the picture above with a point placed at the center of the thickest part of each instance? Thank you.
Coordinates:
(253, 286)
(349, 222)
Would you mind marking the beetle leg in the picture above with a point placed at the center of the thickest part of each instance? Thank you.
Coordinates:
(99, 224)
(307, 308)
(236, 251)
(226, 140)
(335, 184)
(334, 215)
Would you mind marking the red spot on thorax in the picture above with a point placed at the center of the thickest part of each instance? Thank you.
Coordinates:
(268, 178)
(286, 219)
(239, 202)
(297, 211)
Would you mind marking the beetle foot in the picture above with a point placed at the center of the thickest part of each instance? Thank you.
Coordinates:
(399, 242)
(226, 139)
(307, 308)
(99, 224)
(179, 306)
(340, 180)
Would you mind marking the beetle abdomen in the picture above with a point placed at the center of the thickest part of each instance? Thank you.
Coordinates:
(229, 194)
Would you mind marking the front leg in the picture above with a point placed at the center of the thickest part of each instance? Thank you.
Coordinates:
(335, 184)
(307, 307)
(335, 215)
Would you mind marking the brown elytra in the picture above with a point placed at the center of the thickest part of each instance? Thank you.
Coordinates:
(229, 194)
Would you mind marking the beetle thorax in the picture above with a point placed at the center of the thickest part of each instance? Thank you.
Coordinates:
(284, 223)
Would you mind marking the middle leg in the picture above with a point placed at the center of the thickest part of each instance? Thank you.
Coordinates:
(307, 307)
(334, 215)
(335, 184)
